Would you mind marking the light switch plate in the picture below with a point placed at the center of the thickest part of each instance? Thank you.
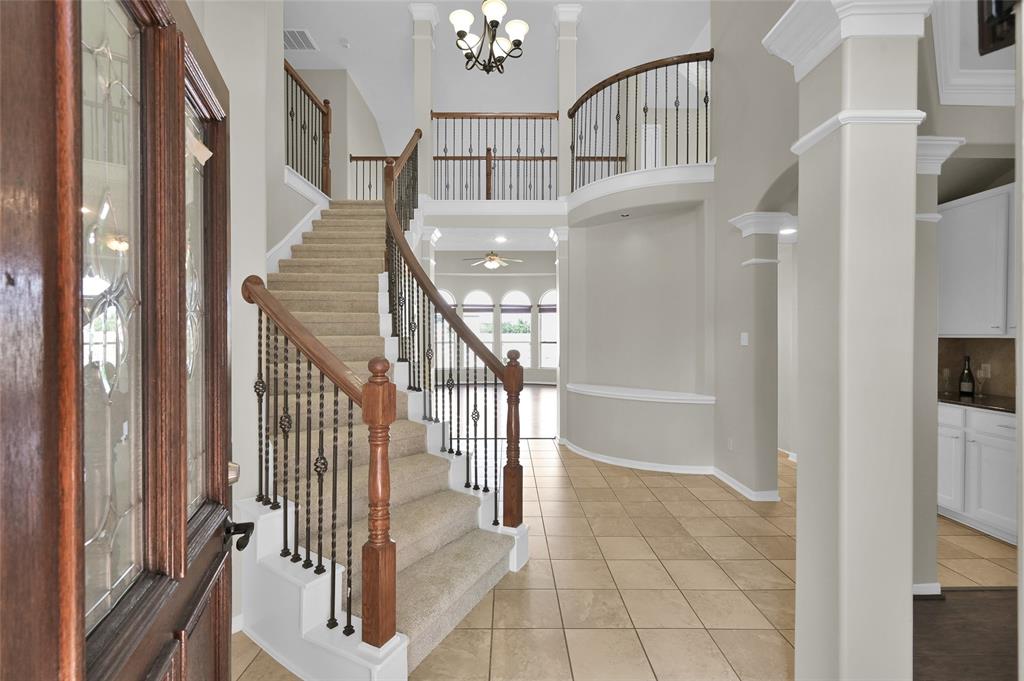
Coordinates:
(744, 338)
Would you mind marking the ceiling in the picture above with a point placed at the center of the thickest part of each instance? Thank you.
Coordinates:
(373, 41)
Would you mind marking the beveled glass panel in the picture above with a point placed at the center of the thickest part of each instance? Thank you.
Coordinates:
(196, 155)
(111, 305)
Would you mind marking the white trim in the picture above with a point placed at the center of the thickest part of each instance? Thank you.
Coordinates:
(759, 261)
(237, 623)
(568, 13)
(559, 234)
(305, 188)
(302, 186)
(932, 152)
(804, 36)
(960, 86)
(856, 117)
(881, 18)
(639, 394)
(986, 528)
(926, 589)
(693, 173)
(432, 208)
(424, 11)
(769, 495)
(928, 217)
(762, 222)
(980, 196)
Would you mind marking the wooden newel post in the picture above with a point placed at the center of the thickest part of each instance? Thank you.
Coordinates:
(379, 551)
(513, 509)
(326, 155)
(490, 174)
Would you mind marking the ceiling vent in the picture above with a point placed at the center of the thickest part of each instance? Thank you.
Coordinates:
(298, 39)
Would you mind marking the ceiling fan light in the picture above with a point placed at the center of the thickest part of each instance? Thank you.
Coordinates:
(492, 264)
(517, 30)
(494, 10)
(462, 20)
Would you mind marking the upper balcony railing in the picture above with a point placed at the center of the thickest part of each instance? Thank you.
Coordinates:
(654, 115)
(307, 136)
(495, 156)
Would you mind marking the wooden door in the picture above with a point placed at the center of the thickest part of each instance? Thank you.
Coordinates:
(114, 405)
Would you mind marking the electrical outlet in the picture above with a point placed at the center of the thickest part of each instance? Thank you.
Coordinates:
(729, 443)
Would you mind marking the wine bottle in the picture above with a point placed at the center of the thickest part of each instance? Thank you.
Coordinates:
(967, 379)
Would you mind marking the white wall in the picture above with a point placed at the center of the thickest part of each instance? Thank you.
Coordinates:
(788, 352)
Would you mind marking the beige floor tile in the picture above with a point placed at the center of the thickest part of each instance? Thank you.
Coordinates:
(660, 527)
(773, 509)
(982, 571)
(947, 549)
(266, 668)
(536, 574)
(775, 548)
(646, 509)
(567, 527)
(691, 481)
(707, 527)
(593, 609)
(688, 509)
(574, 548)
(985, 547)
(787, 493)
(620, 481)
(753, 527)
(778, 606)
(728, 548)
(625, 548)
(243, 652)
(660, 609)
(677, 548)
(654, 481)
(1008, 563)
(756, 574)
(757, 655)
(596, 494)
(790, 635)
(582, 574)
(554, 482)
(685, 655)
(948, 578)
(635, 494)
(556, 494)
(529, 655)
(787, 525)
(535, 525)
(607, 655)
(640, 574)
(539, 549)
(603, 509)
(614, 527)
(561, 509)
(531, 508)
(673, 494)
(726, 610)
(526, 609)
(730, 509)
(590, 482)
(947, 527)
(698, 574)
(712, 493)
(464, 655)
(480, 617)
(787, 566)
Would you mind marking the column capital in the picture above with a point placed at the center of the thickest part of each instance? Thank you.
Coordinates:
(567, 13)
(810, 30)
(767, 222)
(932, 152)
(424, 11)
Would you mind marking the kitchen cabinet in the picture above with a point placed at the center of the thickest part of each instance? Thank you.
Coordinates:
(977, 469)
(975, 277)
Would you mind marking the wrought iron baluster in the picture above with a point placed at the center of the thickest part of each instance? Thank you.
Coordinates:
(332, 620)
(450, 384)
(296, 554)
(458, 403)
(260, 388)
(308, 562)
(497, 452)
(484, 415)
(285, 424)
(275, 504)
(475, 415)
(320, 466)
(349, 629)
(707, 113)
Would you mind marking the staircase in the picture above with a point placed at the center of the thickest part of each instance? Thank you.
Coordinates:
(446, 561)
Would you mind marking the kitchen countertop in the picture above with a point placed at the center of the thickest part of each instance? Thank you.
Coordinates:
(990, 402)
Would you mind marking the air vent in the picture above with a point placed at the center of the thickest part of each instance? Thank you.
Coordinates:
(298, 39)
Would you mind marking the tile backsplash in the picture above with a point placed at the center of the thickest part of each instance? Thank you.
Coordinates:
(996, 352)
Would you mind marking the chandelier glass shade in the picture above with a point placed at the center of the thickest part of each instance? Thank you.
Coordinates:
(489, 51)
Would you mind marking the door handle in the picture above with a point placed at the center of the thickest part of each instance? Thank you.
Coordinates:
(242, 530)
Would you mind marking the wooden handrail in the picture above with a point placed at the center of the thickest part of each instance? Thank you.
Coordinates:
(254, 291)
(392, 169)
(642, 68)
(304, 86)
(496, 158)
(368, 158)
(435, 115)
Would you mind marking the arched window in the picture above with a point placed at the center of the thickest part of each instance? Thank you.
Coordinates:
(516, 331)
(547, 316)
(478, 313)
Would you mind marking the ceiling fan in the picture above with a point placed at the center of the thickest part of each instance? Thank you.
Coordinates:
(493, 261)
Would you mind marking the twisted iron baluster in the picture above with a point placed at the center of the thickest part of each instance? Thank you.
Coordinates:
(308, 562)
(427, 354)
(707, 113)
(458, 403)
(285, 424)
(475, 415)
(320, 467)
(332, 620)
(484, 383)
(296, 554)
(260, 388)
(268, 425)
(497, 457)
(450, 384)
(349, 629)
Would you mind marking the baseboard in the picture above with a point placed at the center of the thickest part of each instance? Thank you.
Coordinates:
(767, 495)
(927, 589)
(237, 623)
(320, 201)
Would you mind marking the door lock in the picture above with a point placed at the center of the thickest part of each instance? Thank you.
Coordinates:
(243, 530)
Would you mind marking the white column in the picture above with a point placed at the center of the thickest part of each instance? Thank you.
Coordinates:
(560, 235)
(857, 65)
(567, 18)
(932, 152)
(424, 21)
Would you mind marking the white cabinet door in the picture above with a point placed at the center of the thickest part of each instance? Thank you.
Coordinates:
(1012, 273)
(972, 262)
(951, 469)
(991, 481)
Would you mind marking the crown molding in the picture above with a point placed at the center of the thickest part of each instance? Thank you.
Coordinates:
(424, 11)
(957, 85)
(932, 152)
(855, 117)
(762, 222)
(567, 13)
(875, 18)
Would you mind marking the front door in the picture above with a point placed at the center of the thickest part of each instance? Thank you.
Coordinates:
(114, 403)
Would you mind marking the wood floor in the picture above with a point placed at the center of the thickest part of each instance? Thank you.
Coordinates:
(971, 635)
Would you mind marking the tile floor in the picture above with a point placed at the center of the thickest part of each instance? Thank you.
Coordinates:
(969, 558)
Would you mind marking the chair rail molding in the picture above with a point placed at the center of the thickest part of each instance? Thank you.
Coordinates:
(639, 394)
(959, 85)
(932, 152)
(810, 30)
(759, 261)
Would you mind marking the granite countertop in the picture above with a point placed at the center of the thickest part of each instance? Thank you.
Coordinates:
(991, 402)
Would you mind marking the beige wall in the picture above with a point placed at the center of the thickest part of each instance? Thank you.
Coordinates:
(332, 85)
(788, 348)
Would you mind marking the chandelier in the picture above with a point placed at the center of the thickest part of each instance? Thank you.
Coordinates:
(488, 52)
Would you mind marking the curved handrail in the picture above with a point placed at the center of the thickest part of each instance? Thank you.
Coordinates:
(254, 291)
(642, 68)
(392, 168)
